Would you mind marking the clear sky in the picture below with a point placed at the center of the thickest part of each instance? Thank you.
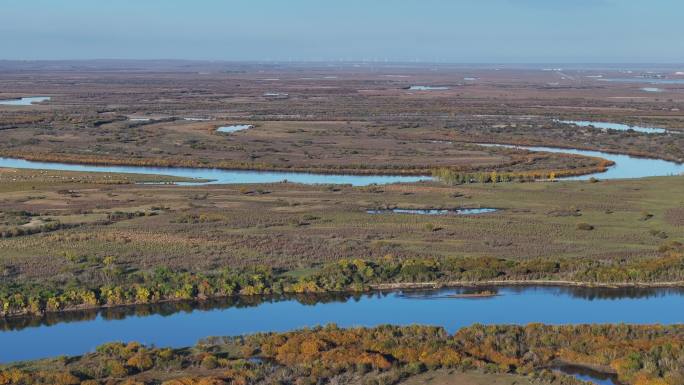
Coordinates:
(519, 31)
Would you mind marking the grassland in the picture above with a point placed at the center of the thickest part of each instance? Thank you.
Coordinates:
(357, 121)
(83, 241)
(342, 147)
(293, 227)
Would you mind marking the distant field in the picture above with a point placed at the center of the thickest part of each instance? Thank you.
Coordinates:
(332, 119)
(66, 229)
(333, 146)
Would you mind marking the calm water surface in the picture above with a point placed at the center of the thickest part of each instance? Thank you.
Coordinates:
(593, 376)
(625, 166)
(219, 176)
(428, 88)
(463, 211)
(197, 119)
(615, 126)
(644, 80)
(184, 324)
(24, 101)
(234, 128)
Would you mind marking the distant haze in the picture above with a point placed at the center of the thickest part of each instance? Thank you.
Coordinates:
(466, 31)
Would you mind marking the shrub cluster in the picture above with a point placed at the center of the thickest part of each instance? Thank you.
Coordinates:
(637, 355)
(355, 275)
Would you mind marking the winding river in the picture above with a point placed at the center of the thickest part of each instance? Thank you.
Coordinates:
(184, 324)
(625, 167)
(219, 176)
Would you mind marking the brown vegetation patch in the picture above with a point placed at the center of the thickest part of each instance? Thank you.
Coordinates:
(675, 216)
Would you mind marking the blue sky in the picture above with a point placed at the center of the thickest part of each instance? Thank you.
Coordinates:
(313, 30)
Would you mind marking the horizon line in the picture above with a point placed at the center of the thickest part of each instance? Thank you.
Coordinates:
(333, 61)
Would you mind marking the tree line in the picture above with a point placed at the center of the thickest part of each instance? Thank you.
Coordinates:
(637, 355)
(357, 275)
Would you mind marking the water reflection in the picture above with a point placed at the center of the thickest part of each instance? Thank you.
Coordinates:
(183, 324)
(219, 176)
(586, 374)
(240, 302)
(625, 166)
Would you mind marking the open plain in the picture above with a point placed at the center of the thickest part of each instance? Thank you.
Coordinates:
(73, 240)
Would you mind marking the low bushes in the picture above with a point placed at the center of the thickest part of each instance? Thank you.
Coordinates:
(643, 355)
(357, 275)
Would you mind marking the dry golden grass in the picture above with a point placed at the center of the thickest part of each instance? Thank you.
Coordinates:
(295, 226)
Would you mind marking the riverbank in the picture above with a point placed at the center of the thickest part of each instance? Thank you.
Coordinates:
(219, 165)
(604, 165)
(355, 276)
(523, 144)
(593, 370)
(611, 232)
(330, 353)
(384, 288)
(519, 165)
(532, 282)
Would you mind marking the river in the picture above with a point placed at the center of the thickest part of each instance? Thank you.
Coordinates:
(625, 167)
(183, 324)
(219, 176)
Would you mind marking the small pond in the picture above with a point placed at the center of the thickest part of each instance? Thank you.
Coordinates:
(234, 128)
(614, 126)
(24, 101)
(428, 88)
(586, 374)
(461, 211)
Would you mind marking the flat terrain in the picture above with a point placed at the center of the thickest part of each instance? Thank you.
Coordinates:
(335, 118)
(74, 227)
(289, 226)
(76, 240)
(351, 147)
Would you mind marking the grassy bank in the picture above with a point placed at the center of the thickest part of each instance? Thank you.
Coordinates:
(163, 285)
(76, 241)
